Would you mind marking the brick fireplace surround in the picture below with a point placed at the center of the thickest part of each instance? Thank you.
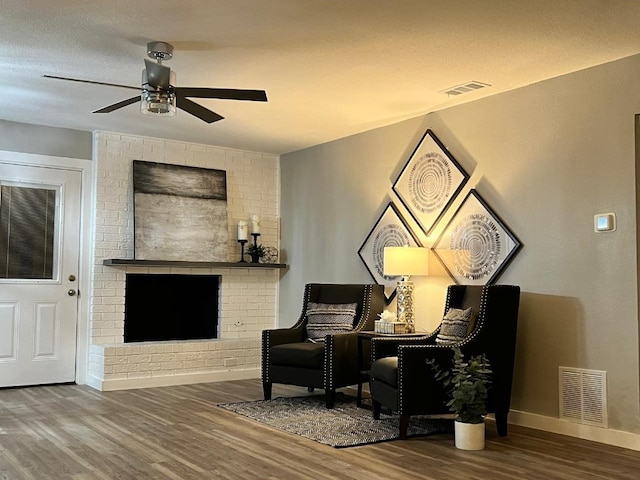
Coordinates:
(248, 297)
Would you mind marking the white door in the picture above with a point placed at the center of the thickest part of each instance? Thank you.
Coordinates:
(39, 245)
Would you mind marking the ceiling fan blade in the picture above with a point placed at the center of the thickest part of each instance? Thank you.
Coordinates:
(196, 110)
(158, 76)
(92, 82)
(118, 105)
(223, 93)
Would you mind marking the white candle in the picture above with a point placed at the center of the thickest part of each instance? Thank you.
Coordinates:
(255, 224)
(242, 230)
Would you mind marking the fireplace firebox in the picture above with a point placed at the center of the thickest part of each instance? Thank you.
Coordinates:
(162, 307)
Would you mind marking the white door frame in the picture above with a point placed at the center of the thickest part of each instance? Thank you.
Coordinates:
(86, 167)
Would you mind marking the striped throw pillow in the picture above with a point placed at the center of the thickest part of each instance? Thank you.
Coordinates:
(454, 326)
(328, 319)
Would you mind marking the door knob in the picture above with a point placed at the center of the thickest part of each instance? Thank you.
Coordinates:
(71, 292)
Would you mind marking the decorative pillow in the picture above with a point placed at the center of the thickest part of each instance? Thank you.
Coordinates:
(454, 327)
(328, 319)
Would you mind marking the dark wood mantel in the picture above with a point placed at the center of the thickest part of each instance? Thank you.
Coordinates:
(123, 262)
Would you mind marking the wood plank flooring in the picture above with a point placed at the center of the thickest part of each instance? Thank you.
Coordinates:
(74, 432)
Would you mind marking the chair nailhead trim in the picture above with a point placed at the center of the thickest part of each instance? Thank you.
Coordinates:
(487, 289)
(266, 342)
(328, 378)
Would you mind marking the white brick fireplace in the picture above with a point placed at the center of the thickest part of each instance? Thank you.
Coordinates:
(247, 298)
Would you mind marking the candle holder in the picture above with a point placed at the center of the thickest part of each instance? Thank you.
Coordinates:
(242, 242)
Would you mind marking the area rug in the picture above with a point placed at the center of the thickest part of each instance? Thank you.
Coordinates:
(345, 425)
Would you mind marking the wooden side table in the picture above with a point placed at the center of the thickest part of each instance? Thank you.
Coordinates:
(364, 357)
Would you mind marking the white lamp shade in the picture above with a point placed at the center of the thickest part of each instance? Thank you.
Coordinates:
(406, 261)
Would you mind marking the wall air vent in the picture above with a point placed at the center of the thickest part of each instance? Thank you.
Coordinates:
(464, 88)
(583, 396)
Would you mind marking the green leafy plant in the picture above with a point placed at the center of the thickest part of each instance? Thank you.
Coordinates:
(256, 251)
(468, 384)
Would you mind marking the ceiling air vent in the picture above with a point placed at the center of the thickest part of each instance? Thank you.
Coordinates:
(465, 88)
(583, 396)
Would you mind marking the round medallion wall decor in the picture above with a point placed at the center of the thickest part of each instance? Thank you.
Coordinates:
(475, 247)
(388, 236)
(476, 244)
(430, 183)
(388, 231)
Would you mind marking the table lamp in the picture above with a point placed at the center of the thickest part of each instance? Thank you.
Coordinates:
(404, 262)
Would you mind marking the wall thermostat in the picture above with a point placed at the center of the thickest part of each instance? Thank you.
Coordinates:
(604, 222)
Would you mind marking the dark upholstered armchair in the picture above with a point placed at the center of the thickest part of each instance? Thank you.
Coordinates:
(289, 357)
(402, 381)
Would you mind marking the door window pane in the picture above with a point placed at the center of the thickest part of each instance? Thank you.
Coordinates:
(27, 232)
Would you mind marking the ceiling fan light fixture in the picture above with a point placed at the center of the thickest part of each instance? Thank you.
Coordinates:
(157, 102)
(158, 94)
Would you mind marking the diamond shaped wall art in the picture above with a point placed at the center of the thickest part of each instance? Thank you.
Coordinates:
(476, 246)
(388, 231)
(429, 182)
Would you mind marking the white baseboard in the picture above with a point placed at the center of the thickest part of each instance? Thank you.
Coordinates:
(93, 382)
(609, 436)
(171, 380)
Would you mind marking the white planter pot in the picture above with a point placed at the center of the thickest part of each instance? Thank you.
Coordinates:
(469, 436)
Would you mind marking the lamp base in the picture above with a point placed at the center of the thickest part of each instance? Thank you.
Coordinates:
(404, 295)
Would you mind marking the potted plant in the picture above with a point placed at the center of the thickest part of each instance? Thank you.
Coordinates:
(468, 384)
(257, 251)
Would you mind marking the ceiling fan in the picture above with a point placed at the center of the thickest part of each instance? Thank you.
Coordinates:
(159, 95)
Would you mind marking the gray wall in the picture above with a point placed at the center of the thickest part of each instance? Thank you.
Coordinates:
(37, 139)
(546, 158)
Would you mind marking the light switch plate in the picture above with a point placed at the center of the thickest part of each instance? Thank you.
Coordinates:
(604, 222)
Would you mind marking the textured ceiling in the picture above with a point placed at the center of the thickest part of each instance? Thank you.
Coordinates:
(330, 68)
